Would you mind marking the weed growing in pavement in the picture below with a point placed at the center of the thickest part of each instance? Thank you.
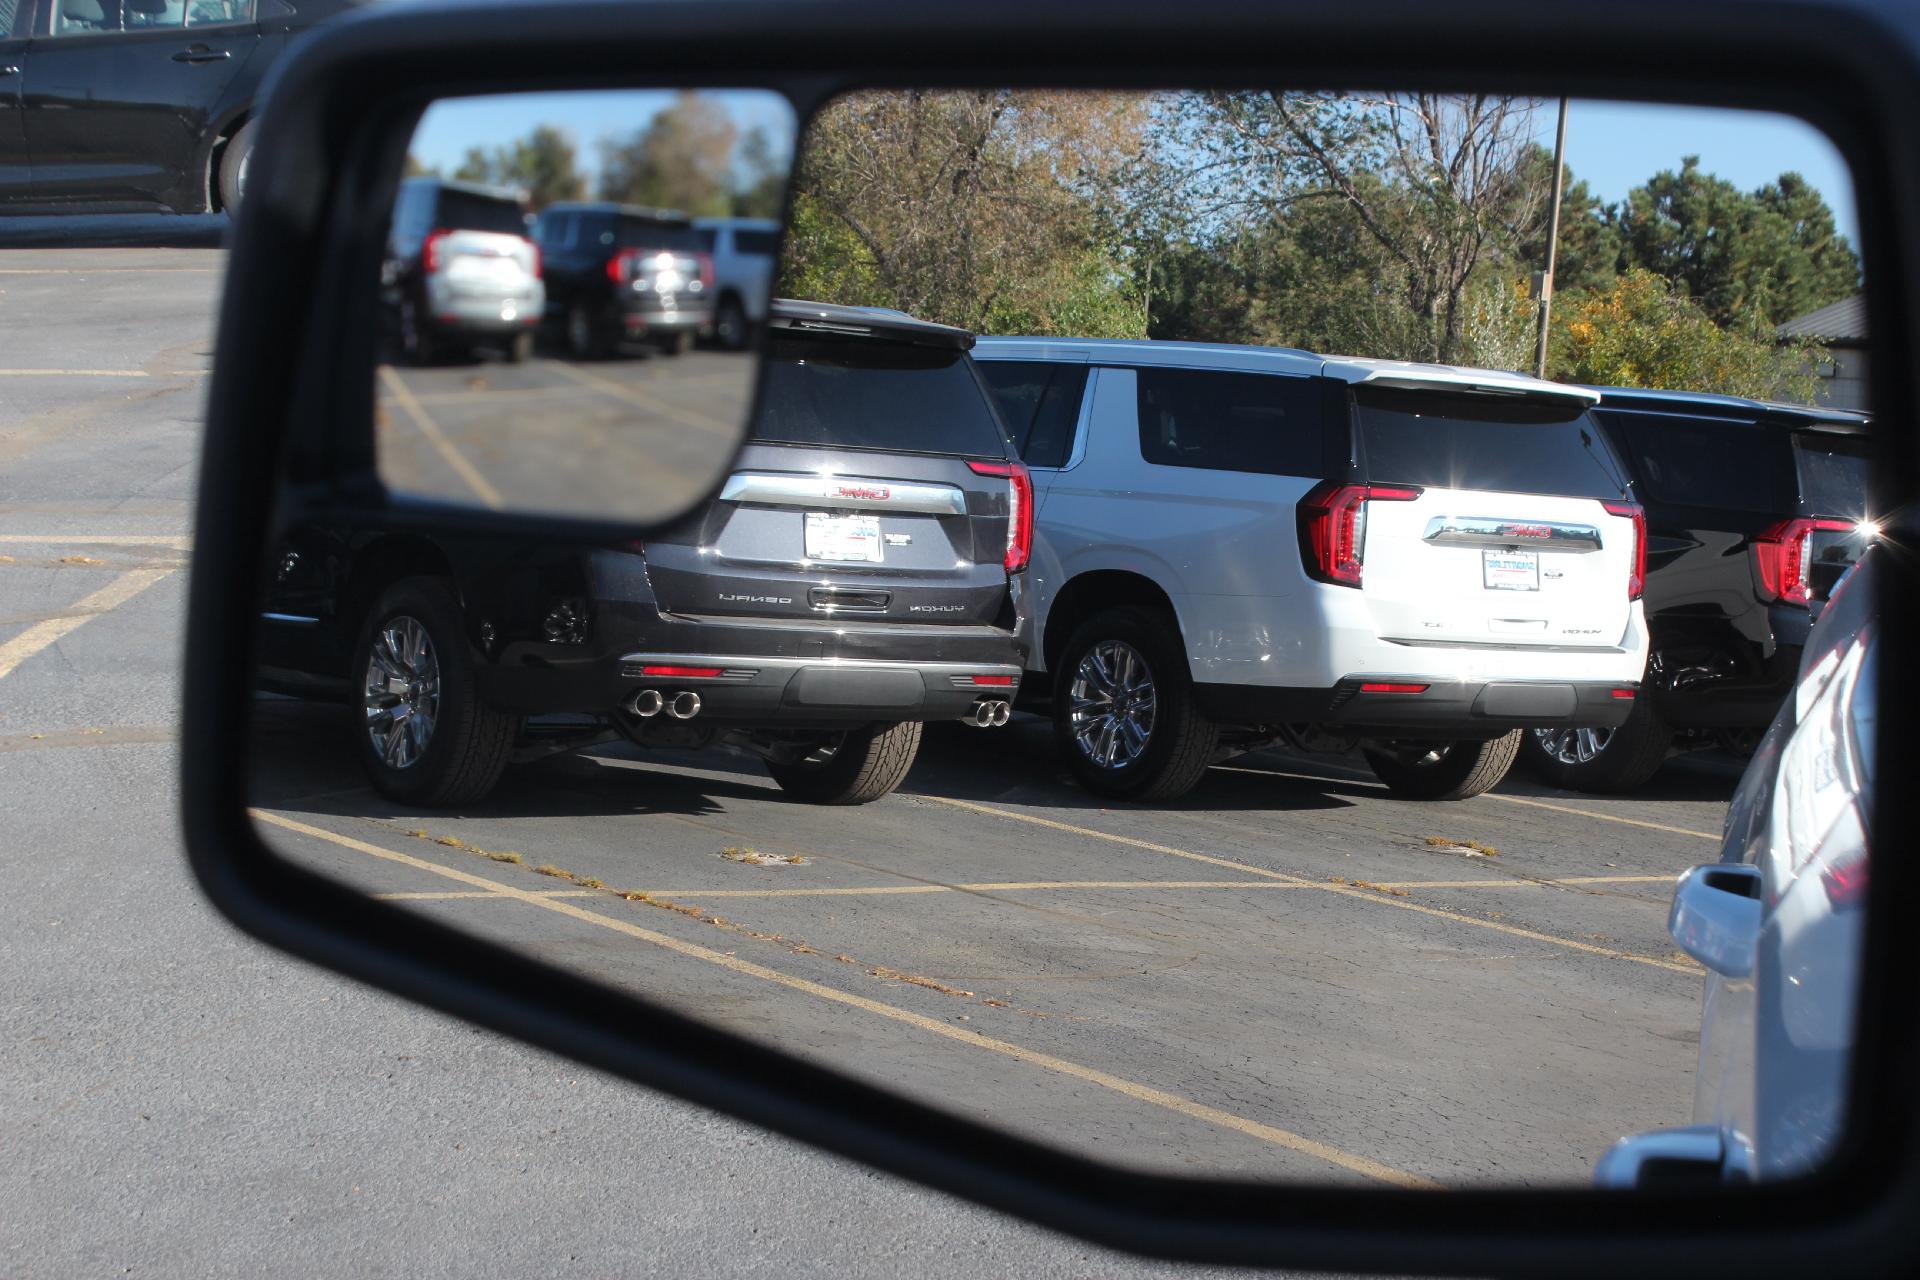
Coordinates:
(508, 856)
(1473, 848)
(590, 883)
(1389, 890)
(548, 869)
(753, 857)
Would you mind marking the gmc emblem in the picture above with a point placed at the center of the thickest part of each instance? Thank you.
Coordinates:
(871, 492)
(1526, 531)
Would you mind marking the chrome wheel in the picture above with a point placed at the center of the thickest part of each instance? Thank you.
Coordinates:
(402, 692)
(1573, 746)
(1111, 704)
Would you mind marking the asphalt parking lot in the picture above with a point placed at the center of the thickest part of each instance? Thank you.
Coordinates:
(1288, 974)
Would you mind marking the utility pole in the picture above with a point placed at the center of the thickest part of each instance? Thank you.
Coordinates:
(1553, 242)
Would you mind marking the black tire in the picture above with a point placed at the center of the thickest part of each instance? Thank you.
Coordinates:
(1625, 757)
(731, 328)
(517, 349)
(1180, 742)
(1443, 770)
(672, 344)
(585, 335)
(465, 750)
(867, 764)
(418, 342)
(230, 178)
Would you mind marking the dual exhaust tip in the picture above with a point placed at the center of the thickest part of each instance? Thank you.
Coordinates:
(986, 715)
(649, 703)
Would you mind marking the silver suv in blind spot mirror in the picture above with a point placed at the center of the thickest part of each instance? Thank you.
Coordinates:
(744, 252)
(1238, 547)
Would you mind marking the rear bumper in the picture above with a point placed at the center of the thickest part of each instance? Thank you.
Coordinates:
(464, 311)
(764, 690)
(640, 319)
(1459, 708)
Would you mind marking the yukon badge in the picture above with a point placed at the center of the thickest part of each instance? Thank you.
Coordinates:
(936, 608)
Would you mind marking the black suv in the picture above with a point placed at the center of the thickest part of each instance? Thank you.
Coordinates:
(620, 273)
(1754, 510)
(860, 572)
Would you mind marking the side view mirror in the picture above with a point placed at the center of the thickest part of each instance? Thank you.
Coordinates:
(524, 379)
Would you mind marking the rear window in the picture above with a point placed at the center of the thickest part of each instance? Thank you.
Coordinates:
(1265, 423)
(1040, 403)
(1723, 463)
(465, 211)
(863, 393)
(1447, 440)
(1833, 472)
(638, 233)
(758, 243)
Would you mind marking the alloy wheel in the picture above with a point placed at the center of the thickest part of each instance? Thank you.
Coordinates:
(402, 692)
(1573, 746)
(1112, 703)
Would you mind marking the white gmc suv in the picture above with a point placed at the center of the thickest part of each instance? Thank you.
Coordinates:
(1241, 546)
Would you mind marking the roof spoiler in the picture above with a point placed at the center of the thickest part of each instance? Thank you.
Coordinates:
(864, 322)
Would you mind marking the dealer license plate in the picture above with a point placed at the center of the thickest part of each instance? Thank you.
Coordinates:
(1510, 570)
(845, 539)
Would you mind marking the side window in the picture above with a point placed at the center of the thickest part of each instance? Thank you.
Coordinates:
(1041, 405)
(556, 229)
(598, 230)
(1266, 423)
(85, 17)
(209, 13)
(154, 15)
(709, 237)
(9, 9)
(756, 243)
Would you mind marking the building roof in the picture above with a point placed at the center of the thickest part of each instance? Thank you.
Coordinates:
(1842, 321)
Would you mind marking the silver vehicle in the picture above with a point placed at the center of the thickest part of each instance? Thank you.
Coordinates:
(1778, 923)
(460, 272)
(1239, 546)
(744, 253)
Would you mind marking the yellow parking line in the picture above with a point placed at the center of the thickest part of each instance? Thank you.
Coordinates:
(112, 596)
(1138, 1092)
(452, 895)
(74, 373)
(177, 542)
(646, 400)
(1027, 886)
(438, 438)
(1363, 895)
(1602, 817)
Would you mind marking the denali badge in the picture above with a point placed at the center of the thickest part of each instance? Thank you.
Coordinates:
(729, 599)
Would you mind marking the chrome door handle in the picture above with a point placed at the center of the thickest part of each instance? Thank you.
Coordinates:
(1716, 916)
(200, 53)
(9, 71)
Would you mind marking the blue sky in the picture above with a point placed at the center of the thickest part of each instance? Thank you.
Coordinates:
(1614, 147)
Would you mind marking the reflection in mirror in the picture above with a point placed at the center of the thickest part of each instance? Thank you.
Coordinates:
(570, 286)
(1234, 615)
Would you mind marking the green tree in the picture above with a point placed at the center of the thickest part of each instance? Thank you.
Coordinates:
(1774, 250)
(760, 180)
(544, 164)
(1647, 332)
(981, 209)
(682, 159)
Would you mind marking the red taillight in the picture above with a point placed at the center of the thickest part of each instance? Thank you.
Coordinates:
(430, 256)
(706, 272)
(1372, 687)
(1637, 580)
(1783, 553)
(617, 266)
(683, 673)
(1846, 883)
(993, 680)
(1625, 695)
(1019, 510)
(538, 262)
(1333, 527)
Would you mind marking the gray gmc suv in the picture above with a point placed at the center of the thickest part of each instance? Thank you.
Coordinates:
(861, 571)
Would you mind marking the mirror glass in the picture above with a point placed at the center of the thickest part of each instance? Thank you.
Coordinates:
(1234, 621)
(570, 290)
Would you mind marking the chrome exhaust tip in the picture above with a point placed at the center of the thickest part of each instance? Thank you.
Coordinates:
(1002, 712)
(646, 704)
(984, 715)
(685, 705)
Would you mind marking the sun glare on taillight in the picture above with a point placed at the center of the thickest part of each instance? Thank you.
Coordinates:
(1784, 555)
(1637, 579)
(1383, 686)
(1333, 527)
(1019, 510)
